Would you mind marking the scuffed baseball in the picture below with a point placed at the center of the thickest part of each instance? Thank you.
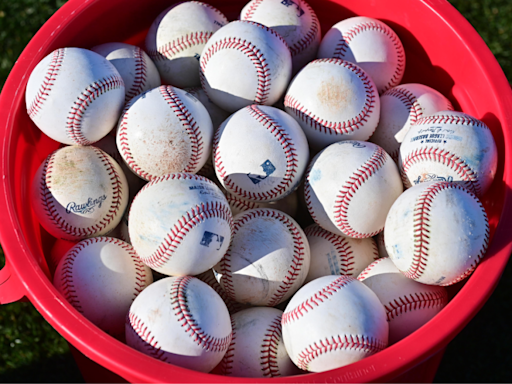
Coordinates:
(268, 258)
(352, 199)
(449, 146)
(181, 321)
(333, 254)
(245, 63)
(333, 321)
(177, 37)
(369, 43)
(75, 96)
(333, 100)
(138, 71)
(401, 107)
(408, 304)
(79, 192)
(100, 278)
(436, 233)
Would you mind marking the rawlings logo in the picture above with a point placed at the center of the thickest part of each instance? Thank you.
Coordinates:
(86, 207)
(289, 3)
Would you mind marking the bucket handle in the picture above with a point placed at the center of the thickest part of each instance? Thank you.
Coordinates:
(11, 289)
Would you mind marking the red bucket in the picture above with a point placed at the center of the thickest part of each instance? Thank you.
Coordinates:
(443, 51)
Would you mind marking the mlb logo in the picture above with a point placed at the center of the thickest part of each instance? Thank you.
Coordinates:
(209, 237)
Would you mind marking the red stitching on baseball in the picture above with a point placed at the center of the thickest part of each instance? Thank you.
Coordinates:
(331, 127)
(347, 191)
(316, 299)
(343, 46)
(226, 365)
(269, 349)
(140, 76)
(48, 82)
(242, 205)
(415, 301)
(364, 274)
(252, 8)
(83, 101)
(149, 343)
(49, 204)
(451, 119)
(294, 268)
(186, 318)
(209, 278)
(444, 157)
(172, 48)
(422, 231)
(288, 149)
(368, 345)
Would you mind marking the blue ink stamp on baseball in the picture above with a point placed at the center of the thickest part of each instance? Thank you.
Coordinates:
(210, 237)
(87, 207)
(431, 177)
(268, 169)
(288, 3)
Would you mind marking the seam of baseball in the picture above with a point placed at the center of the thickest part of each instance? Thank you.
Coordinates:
(209, 278)
(347, 191)
(83, 101)
(236, 202)
(252, 8)
(369, 268)
(186, 318)
(369, 345)
(307, 194)
(269, 348)
(316, 299)
(226, 364)
(344, 252)
(172, 48)
(288, 149)
(294, 268)
(139, 80)
(48, 82)
(58, 220)
(440, 155)
(329, 127)
(151, 347)
(415, 301)
(67, 285)
(452, 119)
(347, 36)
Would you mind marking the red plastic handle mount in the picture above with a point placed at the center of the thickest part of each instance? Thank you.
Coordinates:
(11, 289)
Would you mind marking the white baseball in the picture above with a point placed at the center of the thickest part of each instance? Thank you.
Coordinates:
(288, 204)
(333, 321)
(257, 348)
(75, 96)
(333, 254)
(138, 71)
(79, 192)
(354, 199)
(408, 304)
(401, 107)
(180, 224)
(436, 233)
(268, 258)
(177, 37)
(449, 146)
(295, 21)
(369, 43)
(164, 130)
(217, 114)
(245, 63)
(182, 321)
(260, 153)
(333, 100)
(100, 278)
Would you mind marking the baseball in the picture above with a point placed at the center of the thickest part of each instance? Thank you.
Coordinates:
(333, 254)
(449, 146)
(333, 321)
(257, 348)
(182, 321)
(245, 63)
(333, 100)
(138, 71)
(295, 21)
(79, 192)
(401, 107)
(352, 200)
(408, 304)
(100, 278)
(180, 224)
(436, 233)
(268, 258)
(260, 154)
(164, 130)
(75, 96)
(370, 44)
(177, 37)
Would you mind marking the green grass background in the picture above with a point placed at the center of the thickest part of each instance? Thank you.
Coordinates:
(32, 351)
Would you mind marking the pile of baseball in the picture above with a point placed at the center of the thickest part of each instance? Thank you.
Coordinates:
(303, 209)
